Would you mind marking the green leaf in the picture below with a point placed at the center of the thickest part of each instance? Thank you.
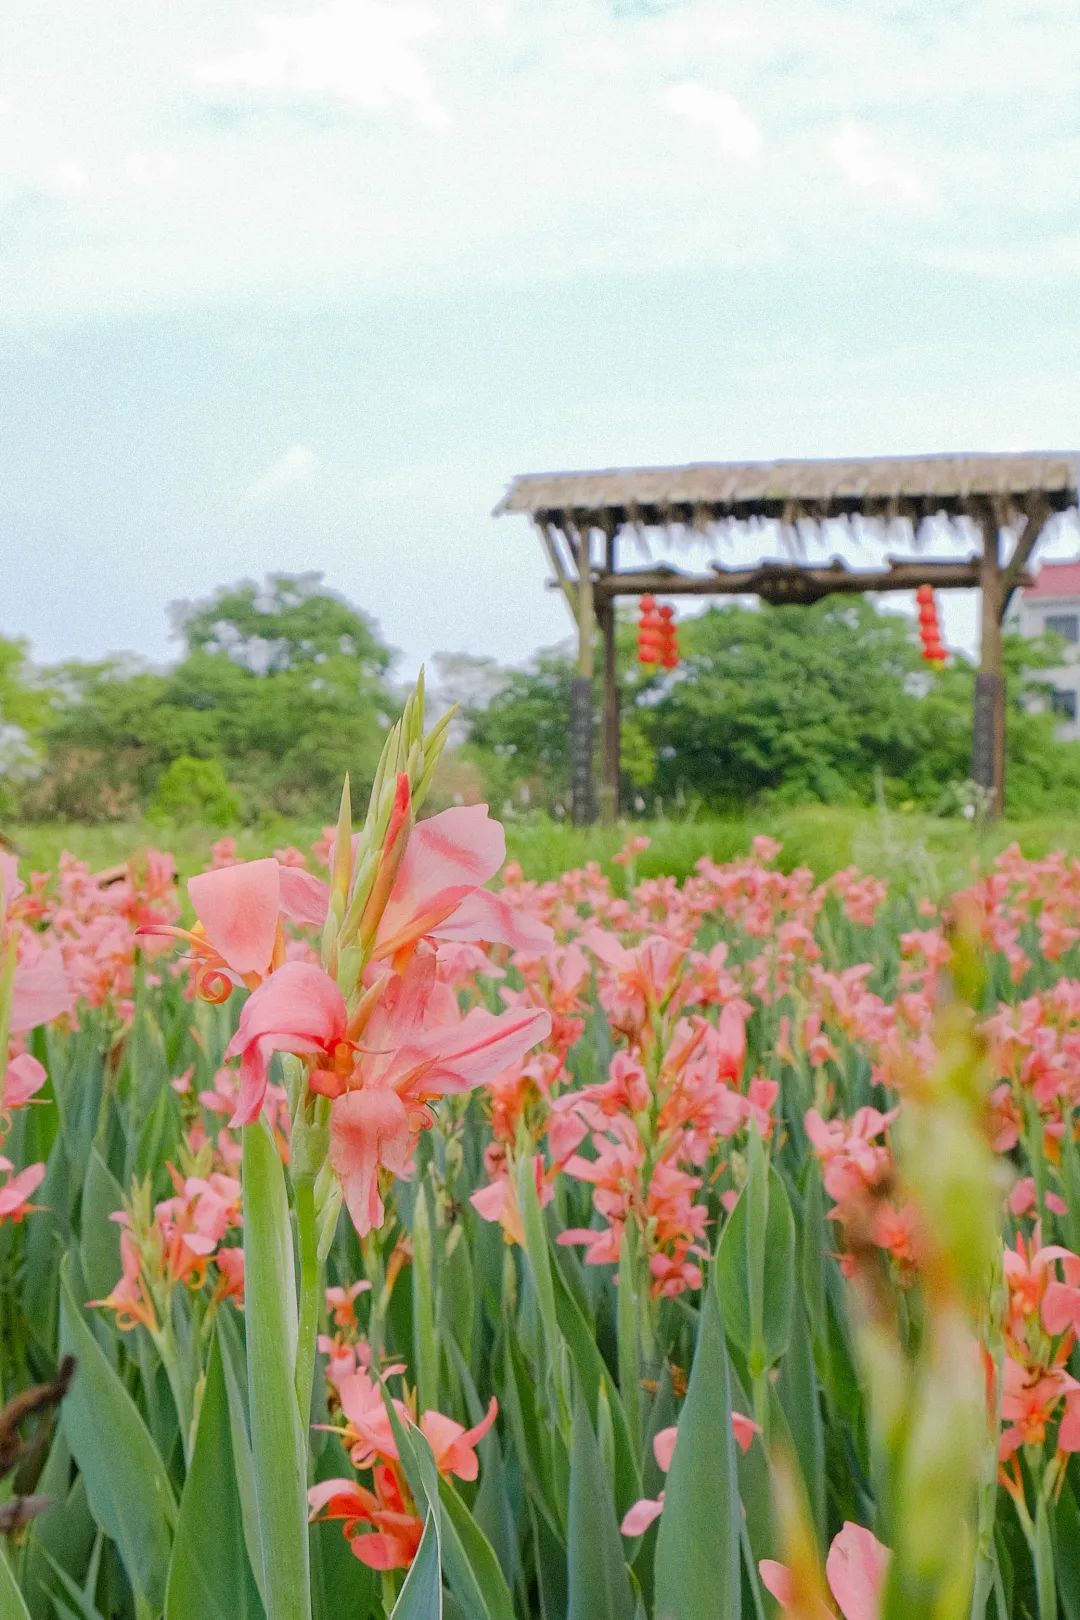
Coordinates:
(1045, 1582)
(592, 1371)
(1067, 1551)
(12, 1606)
(425, 1343)
(597, 1579)
(278, 1441)
(472, 1568)
(210, 1577)
(421, 1597)
(755, 1267)
(697, 1550)
(799, 1396)
(126, 1485)
(100, 1242)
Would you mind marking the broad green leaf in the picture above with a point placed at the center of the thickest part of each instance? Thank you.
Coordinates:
(102, 1196)
(592, 1371)
(628, 1337)
(234, 1367)
(210, 1577)
(421, 1597)
(278, 1442)
(126, 1485)
(12, 1606)
(755, 1268)
(1067, 1552)
(1045, 1582)
(597, 1581)
(425, 1343)
(697, 1551)
(799, 1396)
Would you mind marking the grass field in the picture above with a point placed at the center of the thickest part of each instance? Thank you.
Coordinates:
(908, 848)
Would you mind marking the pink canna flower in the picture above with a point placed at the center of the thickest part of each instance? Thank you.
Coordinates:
(454, 1446)
(416, 1048)
(238, 938)
(24, 1079)
(379, 1526)
(298, 1009)
(16, 1191)
(855, 1569)
(438, 892)
(42, 991)
(498, 1201)
(127, 1298)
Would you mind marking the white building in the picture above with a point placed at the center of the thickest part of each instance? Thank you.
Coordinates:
(1053, 603)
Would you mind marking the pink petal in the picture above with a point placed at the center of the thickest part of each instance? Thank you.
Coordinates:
(1061, 1308)
(664, 1446)
(42, 992)
(304, 897)
(498, 921)
(239, 907)
(25, 1077)
(776, 1579)
(731, 1044)
(297, 1009)
(451, 854)
(368, 1129)
(856, 1568)
(481, 1047)
(16, 1191)
(641, 1515)
(745, 1429)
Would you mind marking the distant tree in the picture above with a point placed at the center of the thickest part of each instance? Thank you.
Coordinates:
(283, 685)
(25, 702)
(290, 622)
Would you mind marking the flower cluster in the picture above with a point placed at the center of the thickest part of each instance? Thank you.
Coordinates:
(380, 1521)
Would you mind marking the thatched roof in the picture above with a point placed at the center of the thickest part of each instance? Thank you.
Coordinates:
(697, 496)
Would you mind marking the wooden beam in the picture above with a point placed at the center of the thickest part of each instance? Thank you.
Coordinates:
(792, 581)
(1039, 514)
(562, 580)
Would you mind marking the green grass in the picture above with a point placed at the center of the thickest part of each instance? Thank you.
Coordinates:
(911, 849)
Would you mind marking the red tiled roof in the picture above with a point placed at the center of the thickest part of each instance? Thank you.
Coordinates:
(1056, 579)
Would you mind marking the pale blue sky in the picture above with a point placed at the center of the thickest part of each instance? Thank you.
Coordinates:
(294, 286)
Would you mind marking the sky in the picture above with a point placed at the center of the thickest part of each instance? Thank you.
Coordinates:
(301, 286)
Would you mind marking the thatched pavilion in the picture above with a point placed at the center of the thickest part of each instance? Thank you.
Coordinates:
(997, 505)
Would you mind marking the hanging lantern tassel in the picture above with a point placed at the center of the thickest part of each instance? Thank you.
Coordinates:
(933, 650)
(650, 646)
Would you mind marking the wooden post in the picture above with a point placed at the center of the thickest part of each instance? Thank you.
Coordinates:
(582, 796)
(988, 734)
(610, 766)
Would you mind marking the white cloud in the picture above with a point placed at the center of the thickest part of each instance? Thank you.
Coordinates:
(296, 149)
(866, 165)
(367, 54)
(718, 113)
(295, 466)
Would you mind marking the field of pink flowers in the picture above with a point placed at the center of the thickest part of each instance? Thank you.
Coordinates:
(376, 1240)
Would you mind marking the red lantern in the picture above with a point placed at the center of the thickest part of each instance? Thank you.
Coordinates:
(933, 651)
(654, 633)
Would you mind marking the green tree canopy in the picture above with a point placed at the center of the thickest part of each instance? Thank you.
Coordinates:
(782, 705)
(282, 684)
